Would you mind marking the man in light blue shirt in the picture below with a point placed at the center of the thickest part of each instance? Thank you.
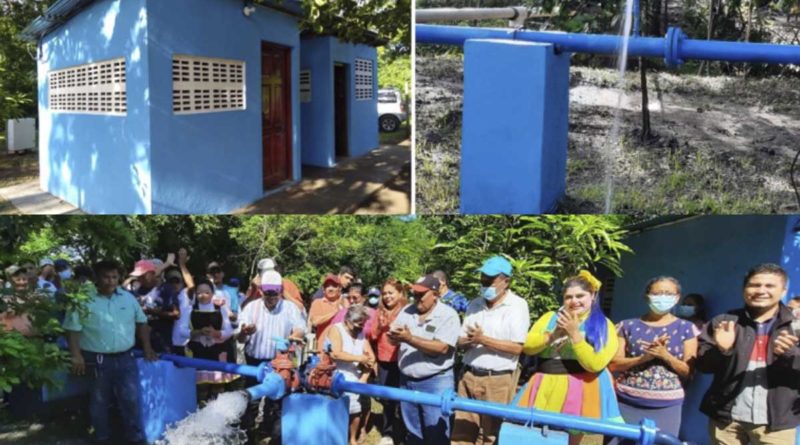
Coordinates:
(102, 342)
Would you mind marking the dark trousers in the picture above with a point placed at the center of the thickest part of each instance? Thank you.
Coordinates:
(389, 375)
(115, 380)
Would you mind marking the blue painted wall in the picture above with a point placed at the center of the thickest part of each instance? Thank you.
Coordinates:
(99, 163)
(152, 161)
(212, 162)
(708, 255)
(319, 54)
(317, 124)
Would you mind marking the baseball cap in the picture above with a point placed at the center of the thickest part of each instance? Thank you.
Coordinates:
(61, 264)
(426, 283)
(271, 281)
(266, 264)
(496, 265)
(142, 267)
(374, 291)
(213, 265)
(13, 270)
(46, 262)
(331, 278)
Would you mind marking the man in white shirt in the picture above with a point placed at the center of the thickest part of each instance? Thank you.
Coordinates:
(492, 336)
(263, 321)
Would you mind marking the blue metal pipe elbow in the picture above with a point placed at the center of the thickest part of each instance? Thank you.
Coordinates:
(272, 387)
(675, 47)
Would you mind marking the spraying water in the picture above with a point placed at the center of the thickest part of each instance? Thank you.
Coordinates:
(215, 424)
(614, 141)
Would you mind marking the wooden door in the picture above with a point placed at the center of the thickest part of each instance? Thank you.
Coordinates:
(276, 114)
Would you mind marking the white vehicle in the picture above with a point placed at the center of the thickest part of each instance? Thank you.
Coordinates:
(390, 110)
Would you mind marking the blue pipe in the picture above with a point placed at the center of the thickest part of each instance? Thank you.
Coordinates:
(674, 47)
(257, 372)
(645, 433)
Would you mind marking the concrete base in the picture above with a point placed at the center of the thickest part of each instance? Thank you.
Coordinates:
(314, 419)
(514, 135)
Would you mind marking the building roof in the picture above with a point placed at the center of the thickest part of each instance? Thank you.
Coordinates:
(63, 10)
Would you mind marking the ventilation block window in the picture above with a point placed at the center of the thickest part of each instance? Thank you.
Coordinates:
(206, 85)
(94, 88)
(364, 82)
(305, 86)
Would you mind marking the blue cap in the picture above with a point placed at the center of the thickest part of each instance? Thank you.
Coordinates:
(496, 265)
(61, 264)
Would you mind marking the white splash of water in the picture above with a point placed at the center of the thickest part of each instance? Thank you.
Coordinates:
(215, 424)
(614, 140)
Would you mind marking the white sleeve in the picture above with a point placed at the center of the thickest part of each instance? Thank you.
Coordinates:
(520, 324)
(296, 318)
(184, 330)
(227, 329)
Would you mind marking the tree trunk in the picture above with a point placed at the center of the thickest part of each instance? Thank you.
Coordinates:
(709, 35)
(645, 102)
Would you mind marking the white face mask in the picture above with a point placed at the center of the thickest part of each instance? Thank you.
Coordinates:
(662, 303)
(65, 274)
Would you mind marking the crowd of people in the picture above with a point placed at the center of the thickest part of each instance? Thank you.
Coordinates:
(424, 336)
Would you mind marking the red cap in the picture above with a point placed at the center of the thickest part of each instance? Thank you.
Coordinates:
(331, 278)
(142, 267)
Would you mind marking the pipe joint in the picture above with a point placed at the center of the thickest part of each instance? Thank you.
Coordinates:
(448, 397)
(649, 430)
(672, 47)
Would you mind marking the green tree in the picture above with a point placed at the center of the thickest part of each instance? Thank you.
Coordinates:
(544, 250)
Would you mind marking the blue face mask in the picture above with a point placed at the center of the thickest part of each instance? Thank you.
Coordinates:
(661, 304)
(489, 293)
(685, 311)
(65, 274)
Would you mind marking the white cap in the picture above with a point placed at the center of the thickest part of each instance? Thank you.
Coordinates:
(266, 264)
(271, 280)
(46, 262)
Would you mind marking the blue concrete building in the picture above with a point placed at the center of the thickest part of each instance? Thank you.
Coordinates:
(709, 255)
(190, 106)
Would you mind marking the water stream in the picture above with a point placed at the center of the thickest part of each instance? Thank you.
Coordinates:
(615, 140)
(215, 424)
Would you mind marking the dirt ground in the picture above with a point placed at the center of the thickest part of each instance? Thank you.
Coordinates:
(720, 145)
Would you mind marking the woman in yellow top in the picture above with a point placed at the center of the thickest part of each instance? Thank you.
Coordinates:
(575, 345)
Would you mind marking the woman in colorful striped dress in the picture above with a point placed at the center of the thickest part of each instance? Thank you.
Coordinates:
(574, 346)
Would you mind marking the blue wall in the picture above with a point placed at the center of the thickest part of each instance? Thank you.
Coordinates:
(708, 255)
(211, 162)
(319, 54)
(99, 163)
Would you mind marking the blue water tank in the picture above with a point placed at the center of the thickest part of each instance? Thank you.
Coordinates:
(314, 419)
(168, 394)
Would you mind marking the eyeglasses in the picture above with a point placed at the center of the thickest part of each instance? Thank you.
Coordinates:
(214, 270)
(272, 293)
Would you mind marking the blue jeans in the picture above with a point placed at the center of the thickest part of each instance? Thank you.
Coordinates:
(115, 379)
(426, 424)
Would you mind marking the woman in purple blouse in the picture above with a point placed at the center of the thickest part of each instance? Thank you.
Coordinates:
(654, 359)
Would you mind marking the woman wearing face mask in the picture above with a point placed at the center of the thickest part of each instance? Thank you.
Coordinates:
(353, 357)
(655, 359)
(392, 301)
(574, 346)
(693, 309)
